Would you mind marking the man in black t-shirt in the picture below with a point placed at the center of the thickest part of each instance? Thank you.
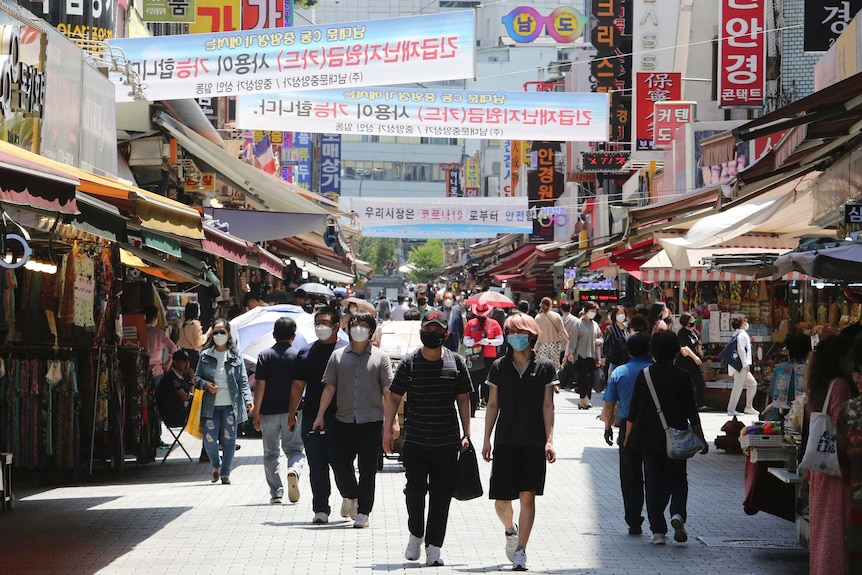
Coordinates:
(308, 379)
(274, 377)
(435, 379)
(174, 394)
(521, 406)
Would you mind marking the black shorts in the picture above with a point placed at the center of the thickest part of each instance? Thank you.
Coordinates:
(517, 468)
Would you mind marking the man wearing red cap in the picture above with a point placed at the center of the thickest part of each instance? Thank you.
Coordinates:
(485, 333)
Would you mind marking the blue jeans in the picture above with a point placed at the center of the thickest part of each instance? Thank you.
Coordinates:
(274, 431)
(320, 452)
(223, 423)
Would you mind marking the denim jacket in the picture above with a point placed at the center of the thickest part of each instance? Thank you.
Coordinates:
(237, 380)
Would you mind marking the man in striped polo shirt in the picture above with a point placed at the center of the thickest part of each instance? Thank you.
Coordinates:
(436, 379)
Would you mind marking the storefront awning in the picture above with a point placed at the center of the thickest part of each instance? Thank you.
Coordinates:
(257, 186)
(660, 269)
(99, 219)
(324, 273)
(27, 181)
(267, 261)
(256, 226)
(161, 214)
(686, 205)
(150, 263)
(226, 245)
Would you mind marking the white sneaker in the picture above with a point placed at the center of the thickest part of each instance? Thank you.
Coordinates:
(345, 507)
(751, 411)
(658, 539)
(353, 512)
(292, 486)
(734, 413)
(432, 556)
(511, 543)
(414, 548)
(320, 518)
(519, 562)
(275, 500)
(679, 534)
(361, 521)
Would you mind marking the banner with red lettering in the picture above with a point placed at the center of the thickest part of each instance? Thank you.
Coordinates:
(742, 54)
(668, 117)
(652, 87)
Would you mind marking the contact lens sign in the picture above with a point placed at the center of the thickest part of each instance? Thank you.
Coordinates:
(524, 24)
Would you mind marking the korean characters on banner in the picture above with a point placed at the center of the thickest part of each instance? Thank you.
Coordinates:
(611, 69)
(652, 87)
(668, 117)
(471, 177)
(330, 166)
(423, 48)
(825, 20)
(742, 54)
(544, 185)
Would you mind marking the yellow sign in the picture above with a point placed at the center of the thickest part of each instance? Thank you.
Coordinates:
(216, 16)
(206, 184)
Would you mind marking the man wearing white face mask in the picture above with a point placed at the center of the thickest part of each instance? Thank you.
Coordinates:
(358, 376)
(455, 319)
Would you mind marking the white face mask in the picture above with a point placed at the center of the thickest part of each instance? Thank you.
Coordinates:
(359, 333)
(220, 339)
(621, 317)
(322, 331)
(447, 302)
(591, 314)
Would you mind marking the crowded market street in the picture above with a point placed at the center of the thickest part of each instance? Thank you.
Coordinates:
(169, 518)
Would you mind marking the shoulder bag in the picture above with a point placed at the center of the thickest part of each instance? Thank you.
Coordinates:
(821, 453)
(193, 424)
(730, 354)
(680, 443)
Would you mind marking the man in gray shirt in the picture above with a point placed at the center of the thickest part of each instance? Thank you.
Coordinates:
(358, 376)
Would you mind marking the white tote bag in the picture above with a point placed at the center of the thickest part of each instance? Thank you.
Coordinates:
(821, 453)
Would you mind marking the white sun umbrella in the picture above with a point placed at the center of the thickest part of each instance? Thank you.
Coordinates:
(252, 331)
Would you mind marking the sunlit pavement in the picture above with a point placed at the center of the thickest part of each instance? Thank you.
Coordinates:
(169, 518)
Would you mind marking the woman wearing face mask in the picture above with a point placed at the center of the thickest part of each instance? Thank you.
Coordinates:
(228, 401)
(485, 333)
(582, 351)
(690, 356)
(658, 316)
(615, 348)
(552, 334)
(192, 336)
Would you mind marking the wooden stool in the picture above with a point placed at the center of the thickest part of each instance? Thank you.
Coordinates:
(6, 483)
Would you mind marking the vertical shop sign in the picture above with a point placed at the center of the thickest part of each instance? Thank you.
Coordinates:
(742, 54)
(471, 177)
(825, 20)
(302, 143)
(668, 117)
(652, 87)
(98, 123)
(517, 160)
(330, 166)
(506, 170)
(77, 19)
(216, 16)
(544, 185)
(61, 121)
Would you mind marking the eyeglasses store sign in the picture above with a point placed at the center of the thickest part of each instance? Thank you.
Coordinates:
(22, 86)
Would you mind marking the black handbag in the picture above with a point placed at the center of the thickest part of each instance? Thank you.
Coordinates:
(468, 485)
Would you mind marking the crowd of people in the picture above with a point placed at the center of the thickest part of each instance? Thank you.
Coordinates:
(333, 406)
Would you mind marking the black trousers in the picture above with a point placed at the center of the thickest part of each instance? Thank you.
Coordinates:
(697, 382)
(431, 472)
(362, 440)
(665, 480)
(585, 367)
(631, 481)
(480, 390)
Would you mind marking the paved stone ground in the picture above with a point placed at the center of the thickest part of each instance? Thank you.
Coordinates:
(169, 519)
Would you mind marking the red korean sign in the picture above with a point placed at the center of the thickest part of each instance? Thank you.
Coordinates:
(742, 54)
(668, 117)
(652, 87)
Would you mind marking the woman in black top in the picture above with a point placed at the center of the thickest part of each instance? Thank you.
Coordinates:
(665, 479)
(689, 357)
(616, 335)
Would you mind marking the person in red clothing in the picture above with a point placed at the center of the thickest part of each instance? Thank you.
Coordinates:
(484, 332)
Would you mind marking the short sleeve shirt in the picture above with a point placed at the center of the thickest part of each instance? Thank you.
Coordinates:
(360, 381)
(277, 367)
(310, 365)
(491, 330)
(520, 399)
(430, 418)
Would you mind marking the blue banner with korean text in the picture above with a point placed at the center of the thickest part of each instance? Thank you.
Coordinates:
(330, 166)
(368, 53)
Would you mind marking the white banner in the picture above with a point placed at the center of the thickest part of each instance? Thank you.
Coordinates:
(447, 218)
(374, 52)
(565, 116)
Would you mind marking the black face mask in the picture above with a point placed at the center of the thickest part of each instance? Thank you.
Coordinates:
(481, 319)
(432, 339)
(421, 301)
(668, 320)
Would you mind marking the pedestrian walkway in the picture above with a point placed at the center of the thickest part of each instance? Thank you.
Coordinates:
(170, 519)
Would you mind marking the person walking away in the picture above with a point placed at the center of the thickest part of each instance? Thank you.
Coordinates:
(619, 391)
(399, 309)
(615, 347)
(658, 316)
(690, 356)
(384, 307)
(228, 401)
(829, 498)
(521, 407)
(484, 332)
(274, 376)
(742, 378)
(665, 479)
(435, 379)
(358, 377)
(455, 320)
(552, 333)
(319, 447)
(582, 351)
(192, 336)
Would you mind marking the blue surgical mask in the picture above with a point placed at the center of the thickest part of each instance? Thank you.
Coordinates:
(518, 341)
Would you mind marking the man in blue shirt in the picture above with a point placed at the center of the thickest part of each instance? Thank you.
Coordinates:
(619, 390)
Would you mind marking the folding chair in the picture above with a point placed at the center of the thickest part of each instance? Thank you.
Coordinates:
(171, 426)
